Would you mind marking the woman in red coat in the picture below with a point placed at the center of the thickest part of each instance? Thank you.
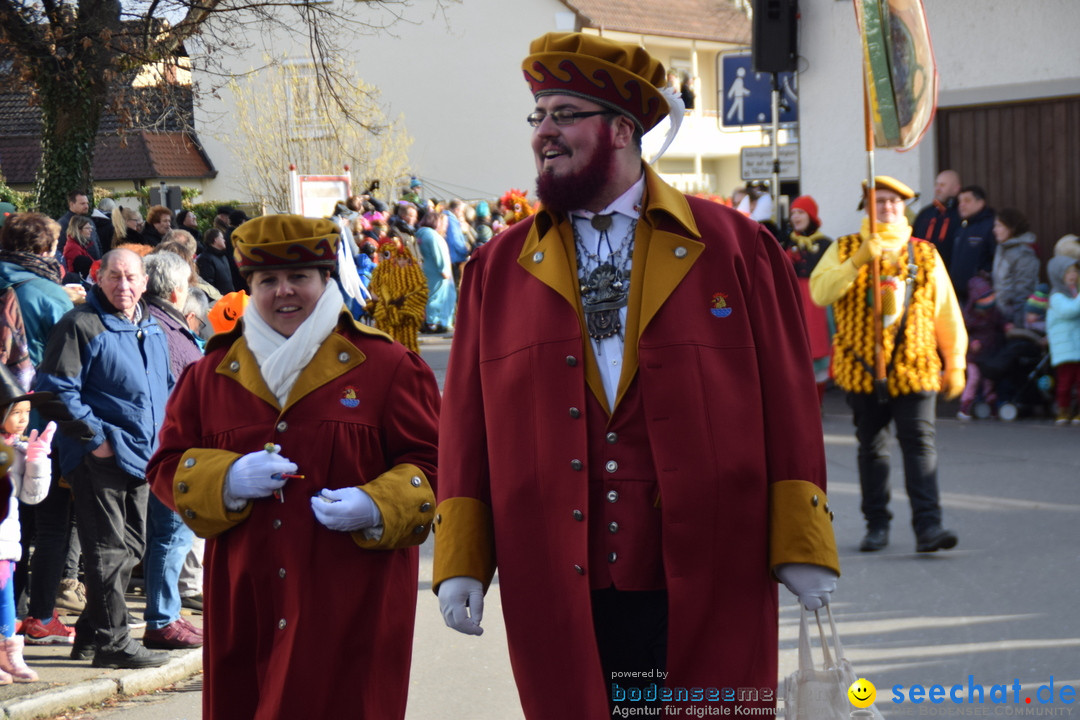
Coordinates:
(303, 446)
(79, 231)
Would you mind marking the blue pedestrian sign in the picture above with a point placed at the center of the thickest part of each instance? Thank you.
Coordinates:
(747, 96)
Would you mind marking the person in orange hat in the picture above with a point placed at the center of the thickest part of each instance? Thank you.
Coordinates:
(227, 311)
(303, 447)
(630, 424)
(922, 324)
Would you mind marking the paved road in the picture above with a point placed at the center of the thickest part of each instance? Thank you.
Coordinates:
(1003, 606)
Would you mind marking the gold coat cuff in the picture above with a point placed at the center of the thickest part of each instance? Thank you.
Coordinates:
(198, 485)
(407, 504)
(800, 526)
(464, 541)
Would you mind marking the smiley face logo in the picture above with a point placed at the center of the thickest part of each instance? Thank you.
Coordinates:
(862, 693)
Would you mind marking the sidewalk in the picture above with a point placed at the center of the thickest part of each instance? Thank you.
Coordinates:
(67, 683)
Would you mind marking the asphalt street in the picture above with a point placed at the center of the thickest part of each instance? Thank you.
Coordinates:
(999, 610)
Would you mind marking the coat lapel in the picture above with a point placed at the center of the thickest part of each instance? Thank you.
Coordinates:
(664, 252)
(548, 255)
(335, 357)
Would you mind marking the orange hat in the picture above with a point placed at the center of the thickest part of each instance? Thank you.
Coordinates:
(227, 311)
(619, 76)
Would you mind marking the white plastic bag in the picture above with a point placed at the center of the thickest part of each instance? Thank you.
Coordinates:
(813, 694)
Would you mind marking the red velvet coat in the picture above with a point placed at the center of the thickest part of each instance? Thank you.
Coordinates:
(303, 621)
(717, 349)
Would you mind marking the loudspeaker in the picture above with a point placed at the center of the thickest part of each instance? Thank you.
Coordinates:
(775, 40)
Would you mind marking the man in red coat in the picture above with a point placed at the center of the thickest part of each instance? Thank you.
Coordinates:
(630, 428)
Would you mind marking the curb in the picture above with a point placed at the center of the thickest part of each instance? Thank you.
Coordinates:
(54, 701)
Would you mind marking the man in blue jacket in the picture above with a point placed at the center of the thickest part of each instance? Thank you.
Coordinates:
(108, 362)
(974, 244)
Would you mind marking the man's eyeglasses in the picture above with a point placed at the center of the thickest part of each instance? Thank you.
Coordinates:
(564, 117)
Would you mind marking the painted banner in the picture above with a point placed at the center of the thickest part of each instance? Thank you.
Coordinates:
(901, 77)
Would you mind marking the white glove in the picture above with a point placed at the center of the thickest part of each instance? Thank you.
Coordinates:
(813, 584)
(347, 509)
(458, 593)
(253, 476)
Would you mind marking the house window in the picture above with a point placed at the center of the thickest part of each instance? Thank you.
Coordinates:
(308, 115)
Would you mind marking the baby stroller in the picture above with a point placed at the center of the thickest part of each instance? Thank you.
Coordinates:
(1023, 377)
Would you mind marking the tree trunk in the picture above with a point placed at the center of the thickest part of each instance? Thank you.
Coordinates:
(70, 115)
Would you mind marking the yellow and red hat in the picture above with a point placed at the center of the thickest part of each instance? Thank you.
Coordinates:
(619, 76)
(276, 242)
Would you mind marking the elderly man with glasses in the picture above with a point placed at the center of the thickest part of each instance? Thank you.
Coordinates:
(921, 324)
(630, 422)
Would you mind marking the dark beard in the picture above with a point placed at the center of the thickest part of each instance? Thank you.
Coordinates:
(578, 191)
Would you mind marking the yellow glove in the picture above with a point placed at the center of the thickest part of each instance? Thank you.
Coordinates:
(952, 384)
(868, 251)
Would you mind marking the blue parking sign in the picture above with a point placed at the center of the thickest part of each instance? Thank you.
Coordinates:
(747, 96)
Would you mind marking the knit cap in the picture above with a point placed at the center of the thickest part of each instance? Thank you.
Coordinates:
(1038, 301)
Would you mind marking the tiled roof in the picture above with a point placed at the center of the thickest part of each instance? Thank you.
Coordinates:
(717, 20)
(149, 108)
(144, 156)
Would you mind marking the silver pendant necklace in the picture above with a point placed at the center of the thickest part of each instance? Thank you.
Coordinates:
(605, 286)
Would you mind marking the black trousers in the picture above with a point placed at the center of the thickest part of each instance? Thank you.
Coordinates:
(631, 635)
(914, 417)
(110, 513)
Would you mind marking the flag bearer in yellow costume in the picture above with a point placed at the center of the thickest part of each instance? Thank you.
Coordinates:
(924, 343)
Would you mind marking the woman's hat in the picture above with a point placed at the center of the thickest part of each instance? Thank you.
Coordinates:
(11, 392)
(619, 76)
(808, 206)
(276, 242)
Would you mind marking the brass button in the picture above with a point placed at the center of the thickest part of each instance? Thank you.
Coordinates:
(416, 481)
(612, 438)
(281, 573)
(578, 515)
(438, 518)
(426, 507)
(613, 496)
(613, 527)
(579, 570)
(276, 524)
(814, 501)
(830, 517)
(190, 462)
(182, 487)
(343, 357)
(575, 413)
(538, 256)
(281, 624)
(571, 360)
(612, 557)
(680, 252)
(419, 529)
(282, 426)
(234, 366)
(189, 514)
(611, 466)
(576, 464)
(827, 507)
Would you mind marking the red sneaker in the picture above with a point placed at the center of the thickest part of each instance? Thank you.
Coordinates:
(53, 632)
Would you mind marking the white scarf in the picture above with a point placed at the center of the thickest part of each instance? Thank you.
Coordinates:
(282, 358)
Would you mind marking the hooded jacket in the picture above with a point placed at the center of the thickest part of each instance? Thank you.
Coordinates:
(1015, 274)
(1063, 314)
